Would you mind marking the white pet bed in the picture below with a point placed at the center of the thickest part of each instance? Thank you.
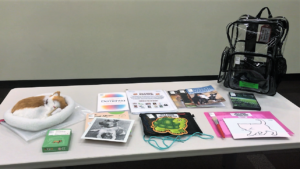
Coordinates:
(40, 124)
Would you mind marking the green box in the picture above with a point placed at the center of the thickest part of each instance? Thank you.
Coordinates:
(57, 140)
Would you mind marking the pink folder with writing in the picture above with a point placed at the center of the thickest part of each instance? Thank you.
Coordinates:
(240, 114)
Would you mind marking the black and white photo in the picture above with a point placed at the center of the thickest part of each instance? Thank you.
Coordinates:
(108, 129)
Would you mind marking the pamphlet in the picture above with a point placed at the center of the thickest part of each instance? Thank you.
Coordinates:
(205, 96)
(254, 128)
(112, 102)
(150, 101)
(117, 115)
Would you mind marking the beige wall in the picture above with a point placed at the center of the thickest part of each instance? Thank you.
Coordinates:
(114, 39)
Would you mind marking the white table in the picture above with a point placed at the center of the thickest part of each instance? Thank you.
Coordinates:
(17, 153)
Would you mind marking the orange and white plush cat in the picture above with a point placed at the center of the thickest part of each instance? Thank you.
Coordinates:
(39, 107)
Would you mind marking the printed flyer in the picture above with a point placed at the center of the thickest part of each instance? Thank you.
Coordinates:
(112, 102)
(150, 101)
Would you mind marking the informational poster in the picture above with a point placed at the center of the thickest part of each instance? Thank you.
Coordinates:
(150, 101)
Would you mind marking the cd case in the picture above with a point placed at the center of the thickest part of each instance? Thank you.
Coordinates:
(245, 101)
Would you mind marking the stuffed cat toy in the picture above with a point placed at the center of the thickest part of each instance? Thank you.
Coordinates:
(39, 107)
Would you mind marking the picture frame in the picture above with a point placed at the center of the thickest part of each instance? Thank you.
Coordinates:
(109, 129)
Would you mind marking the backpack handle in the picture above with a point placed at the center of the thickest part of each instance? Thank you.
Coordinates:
(260, 12)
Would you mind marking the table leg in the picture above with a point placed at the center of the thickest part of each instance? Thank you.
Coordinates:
(229, 161)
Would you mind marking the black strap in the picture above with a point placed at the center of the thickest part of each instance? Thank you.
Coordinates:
(260, 12)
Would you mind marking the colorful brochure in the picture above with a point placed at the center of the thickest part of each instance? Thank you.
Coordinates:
(112, 102)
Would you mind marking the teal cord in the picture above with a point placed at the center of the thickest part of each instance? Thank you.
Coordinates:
(153, 142)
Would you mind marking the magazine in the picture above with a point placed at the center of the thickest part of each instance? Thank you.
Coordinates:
(150, 101)
(244, 101)
(108, 129)
(176, 98)
(205, 96)
(186, 98)
(117, 115)
(112, 102)
(240, 114)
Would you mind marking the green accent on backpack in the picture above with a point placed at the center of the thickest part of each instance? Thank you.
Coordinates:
(248, 85)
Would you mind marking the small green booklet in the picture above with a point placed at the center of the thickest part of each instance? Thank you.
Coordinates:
(244, 101)
(57, 140)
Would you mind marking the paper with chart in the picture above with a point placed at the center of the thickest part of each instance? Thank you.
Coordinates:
(254, 128)
(150, 101)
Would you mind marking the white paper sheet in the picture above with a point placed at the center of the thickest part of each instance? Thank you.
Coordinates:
(254, 128)
(150, 101)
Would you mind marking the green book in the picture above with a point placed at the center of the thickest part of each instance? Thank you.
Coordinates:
(57, 140)
(244, 101)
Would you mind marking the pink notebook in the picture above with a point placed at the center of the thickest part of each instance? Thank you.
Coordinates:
(240, 114)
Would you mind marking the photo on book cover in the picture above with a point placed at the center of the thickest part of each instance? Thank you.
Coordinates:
(206, 95)
(176, 98)
(186, 98)
(108, 129)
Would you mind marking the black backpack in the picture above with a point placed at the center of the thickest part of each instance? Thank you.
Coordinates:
(254, 61)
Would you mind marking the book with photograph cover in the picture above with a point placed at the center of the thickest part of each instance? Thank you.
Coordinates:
(108, 129)
(244, 101)
(186, 98)
(117, 115)
(205, 96)
(150, 101)
(176, 98)
(112, 102)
